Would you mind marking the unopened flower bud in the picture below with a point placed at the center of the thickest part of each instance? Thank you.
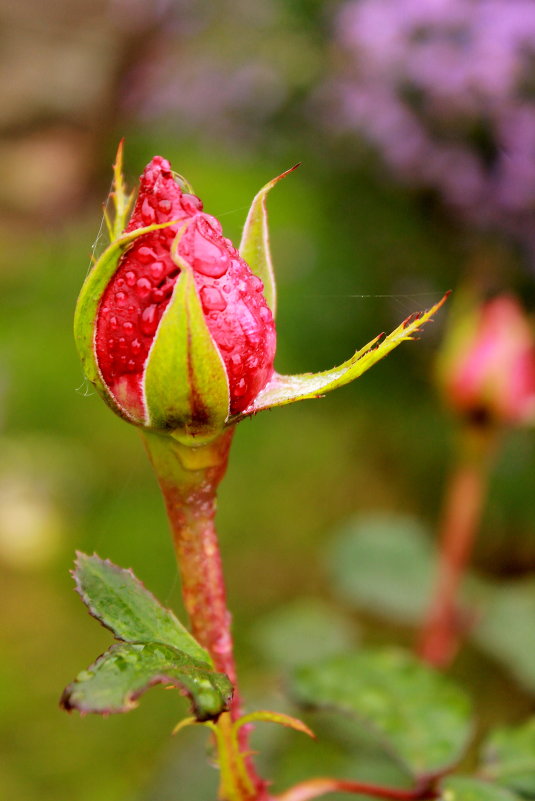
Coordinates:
(486, 370)
(183, 336)
(175, 326)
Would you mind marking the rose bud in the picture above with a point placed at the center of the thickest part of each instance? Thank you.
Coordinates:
(175, 326)
(486, 370)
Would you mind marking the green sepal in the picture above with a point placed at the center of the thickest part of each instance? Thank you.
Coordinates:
(254, 246)
(89, 300)
(120, 601)
(118, 677)
(119, 197)
(284, 389)
(185, 383)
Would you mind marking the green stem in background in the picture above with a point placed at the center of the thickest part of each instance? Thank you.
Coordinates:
(189, 478)
(463, 506)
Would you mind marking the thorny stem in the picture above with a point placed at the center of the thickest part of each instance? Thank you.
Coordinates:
(189, 478)
(463, 505)
(321, 786)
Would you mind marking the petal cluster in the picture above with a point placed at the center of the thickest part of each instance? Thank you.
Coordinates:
(236, 313)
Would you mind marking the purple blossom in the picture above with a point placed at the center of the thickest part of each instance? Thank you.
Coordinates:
(444, 89)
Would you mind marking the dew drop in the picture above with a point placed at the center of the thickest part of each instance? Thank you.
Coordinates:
(143, 287)
(147, 212)
(120, 298)
(122, 343)
(145, 254)
(157, 270)
(131, 364)
(132, 310)
(240, 388)
(135, 347)
(112, 344)
(130, 278)
(212, 299)
(128, 327)
(164, 205)
(120, 283)
(114, 325)
(149, 321)
(157, 296)
(191, 204)
(122, 358)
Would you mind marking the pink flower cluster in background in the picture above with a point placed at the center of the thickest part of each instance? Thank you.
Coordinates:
(445, 90)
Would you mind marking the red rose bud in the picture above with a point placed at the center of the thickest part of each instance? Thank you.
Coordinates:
(175, 327)
(487, 366)
(183, 335)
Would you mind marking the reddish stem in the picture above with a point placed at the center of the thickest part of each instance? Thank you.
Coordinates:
(189, 478)
(321, 786)
(463, 505)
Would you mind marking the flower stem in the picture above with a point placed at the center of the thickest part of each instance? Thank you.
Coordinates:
(189, 478)
(321, 786)
(463, 505)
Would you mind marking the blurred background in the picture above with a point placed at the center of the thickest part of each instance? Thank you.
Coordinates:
(414, 121)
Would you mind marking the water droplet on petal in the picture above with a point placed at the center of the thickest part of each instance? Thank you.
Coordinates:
(130, 278)
(128, 327)
(120, 298)
(143, 288)
(114, 325)
(145, 254)
(157, 270)
(191, 204)
(135, 347)
(147, 212)
(149, 321)
(212, 299)
(240, 387)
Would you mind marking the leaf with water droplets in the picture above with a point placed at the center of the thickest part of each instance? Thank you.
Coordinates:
(420, 717)
(116, 598)
(117, 679)
(254, 246)
(284, 389)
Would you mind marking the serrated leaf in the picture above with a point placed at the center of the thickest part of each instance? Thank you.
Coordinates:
(185, 382)
(117, 679)
(466, 788)
(284, 389)
(506, 629)
(384, 563)
(119, 600)
(509, 757)
(254, 246)
(420, 717)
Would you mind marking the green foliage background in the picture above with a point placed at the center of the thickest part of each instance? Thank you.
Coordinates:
(354, 255)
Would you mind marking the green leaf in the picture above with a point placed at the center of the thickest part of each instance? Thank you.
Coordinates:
(116, 598)
(509, 757)
(185, 381)
(384, 563)
(506, 629)
(254, 246)
(421, 718)
(115, 681)
(465, 788)
(284, 389)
